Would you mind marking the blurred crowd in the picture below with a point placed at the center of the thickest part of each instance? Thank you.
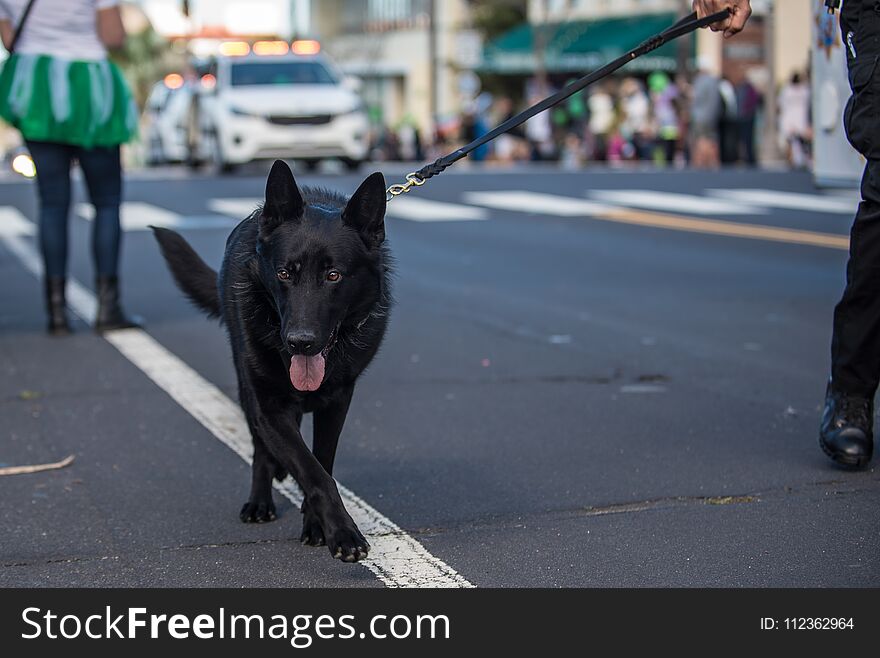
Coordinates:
(704, 121)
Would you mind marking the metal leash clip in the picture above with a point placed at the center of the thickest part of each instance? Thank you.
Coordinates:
(412, 180)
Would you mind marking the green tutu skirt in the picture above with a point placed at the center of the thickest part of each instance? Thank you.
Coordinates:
(69, 102)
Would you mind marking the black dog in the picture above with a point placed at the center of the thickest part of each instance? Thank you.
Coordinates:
(304, 294)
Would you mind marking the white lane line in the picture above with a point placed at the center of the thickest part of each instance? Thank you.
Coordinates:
(669, 202)
(138, 216)
(396, 558)
(12, 222)
(235, 208)
(791, 200)
(536, 202)
(425, 210)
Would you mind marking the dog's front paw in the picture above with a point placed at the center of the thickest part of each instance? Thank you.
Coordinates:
(346, 543)
(312, 532)
(258, 512)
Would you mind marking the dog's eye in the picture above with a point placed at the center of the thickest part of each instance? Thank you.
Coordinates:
(333, 276)
(283, 274)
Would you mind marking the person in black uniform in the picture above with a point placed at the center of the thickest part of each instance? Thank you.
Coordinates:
(846, 432)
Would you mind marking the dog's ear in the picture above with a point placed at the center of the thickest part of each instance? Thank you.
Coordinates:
(284, 202)
(365, 210)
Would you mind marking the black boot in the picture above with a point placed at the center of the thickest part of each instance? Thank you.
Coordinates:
(110, 315)
(847, 434)
(56, 306)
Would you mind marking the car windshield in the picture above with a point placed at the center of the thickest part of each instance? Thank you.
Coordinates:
(281, 73)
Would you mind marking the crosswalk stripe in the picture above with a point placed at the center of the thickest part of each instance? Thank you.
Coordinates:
(536, 202)
(551, 204)
(416, 210)
(135, 215)
(673, 202)
(791, 200)
(424, 210)
(139, 216)
(618, 206)
(201, 222)
(236, 208)
(12, 222)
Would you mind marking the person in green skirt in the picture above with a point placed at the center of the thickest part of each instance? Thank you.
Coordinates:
(70, 103)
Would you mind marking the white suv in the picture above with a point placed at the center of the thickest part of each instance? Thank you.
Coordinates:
(281, 106)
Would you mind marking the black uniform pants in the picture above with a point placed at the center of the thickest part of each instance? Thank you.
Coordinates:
(855, 346)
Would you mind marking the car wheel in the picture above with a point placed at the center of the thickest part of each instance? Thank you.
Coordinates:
(311, 165)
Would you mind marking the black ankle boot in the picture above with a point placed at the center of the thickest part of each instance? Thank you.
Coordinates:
(56, 306)
(847, 434)
(110, 315)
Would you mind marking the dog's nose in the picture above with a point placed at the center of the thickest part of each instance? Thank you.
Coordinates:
(301, 342)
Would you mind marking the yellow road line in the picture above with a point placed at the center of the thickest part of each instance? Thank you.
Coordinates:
(718, 227)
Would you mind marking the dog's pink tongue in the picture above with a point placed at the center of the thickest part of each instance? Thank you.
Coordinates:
(307, 372)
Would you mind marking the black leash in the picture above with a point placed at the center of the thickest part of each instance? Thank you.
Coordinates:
(685, 26)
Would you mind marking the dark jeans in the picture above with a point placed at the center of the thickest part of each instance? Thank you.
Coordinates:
(855, 346)
(746, 139)
(103, 173)
(729, 140)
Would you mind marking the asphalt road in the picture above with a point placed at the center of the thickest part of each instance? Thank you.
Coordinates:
(620, 395)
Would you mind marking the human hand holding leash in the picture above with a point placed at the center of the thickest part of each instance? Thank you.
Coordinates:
(740, 10)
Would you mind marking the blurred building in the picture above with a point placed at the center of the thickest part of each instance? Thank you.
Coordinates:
(565, 37)
(776, 44)
(407, 52)
(209, 18)
(556, 10)
(792, 32)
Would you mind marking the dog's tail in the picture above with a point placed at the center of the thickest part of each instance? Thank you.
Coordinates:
(192, 274)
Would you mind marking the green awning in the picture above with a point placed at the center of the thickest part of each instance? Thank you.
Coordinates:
(582, 45)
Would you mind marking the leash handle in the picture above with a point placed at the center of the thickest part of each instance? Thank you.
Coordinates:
(684, 26)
